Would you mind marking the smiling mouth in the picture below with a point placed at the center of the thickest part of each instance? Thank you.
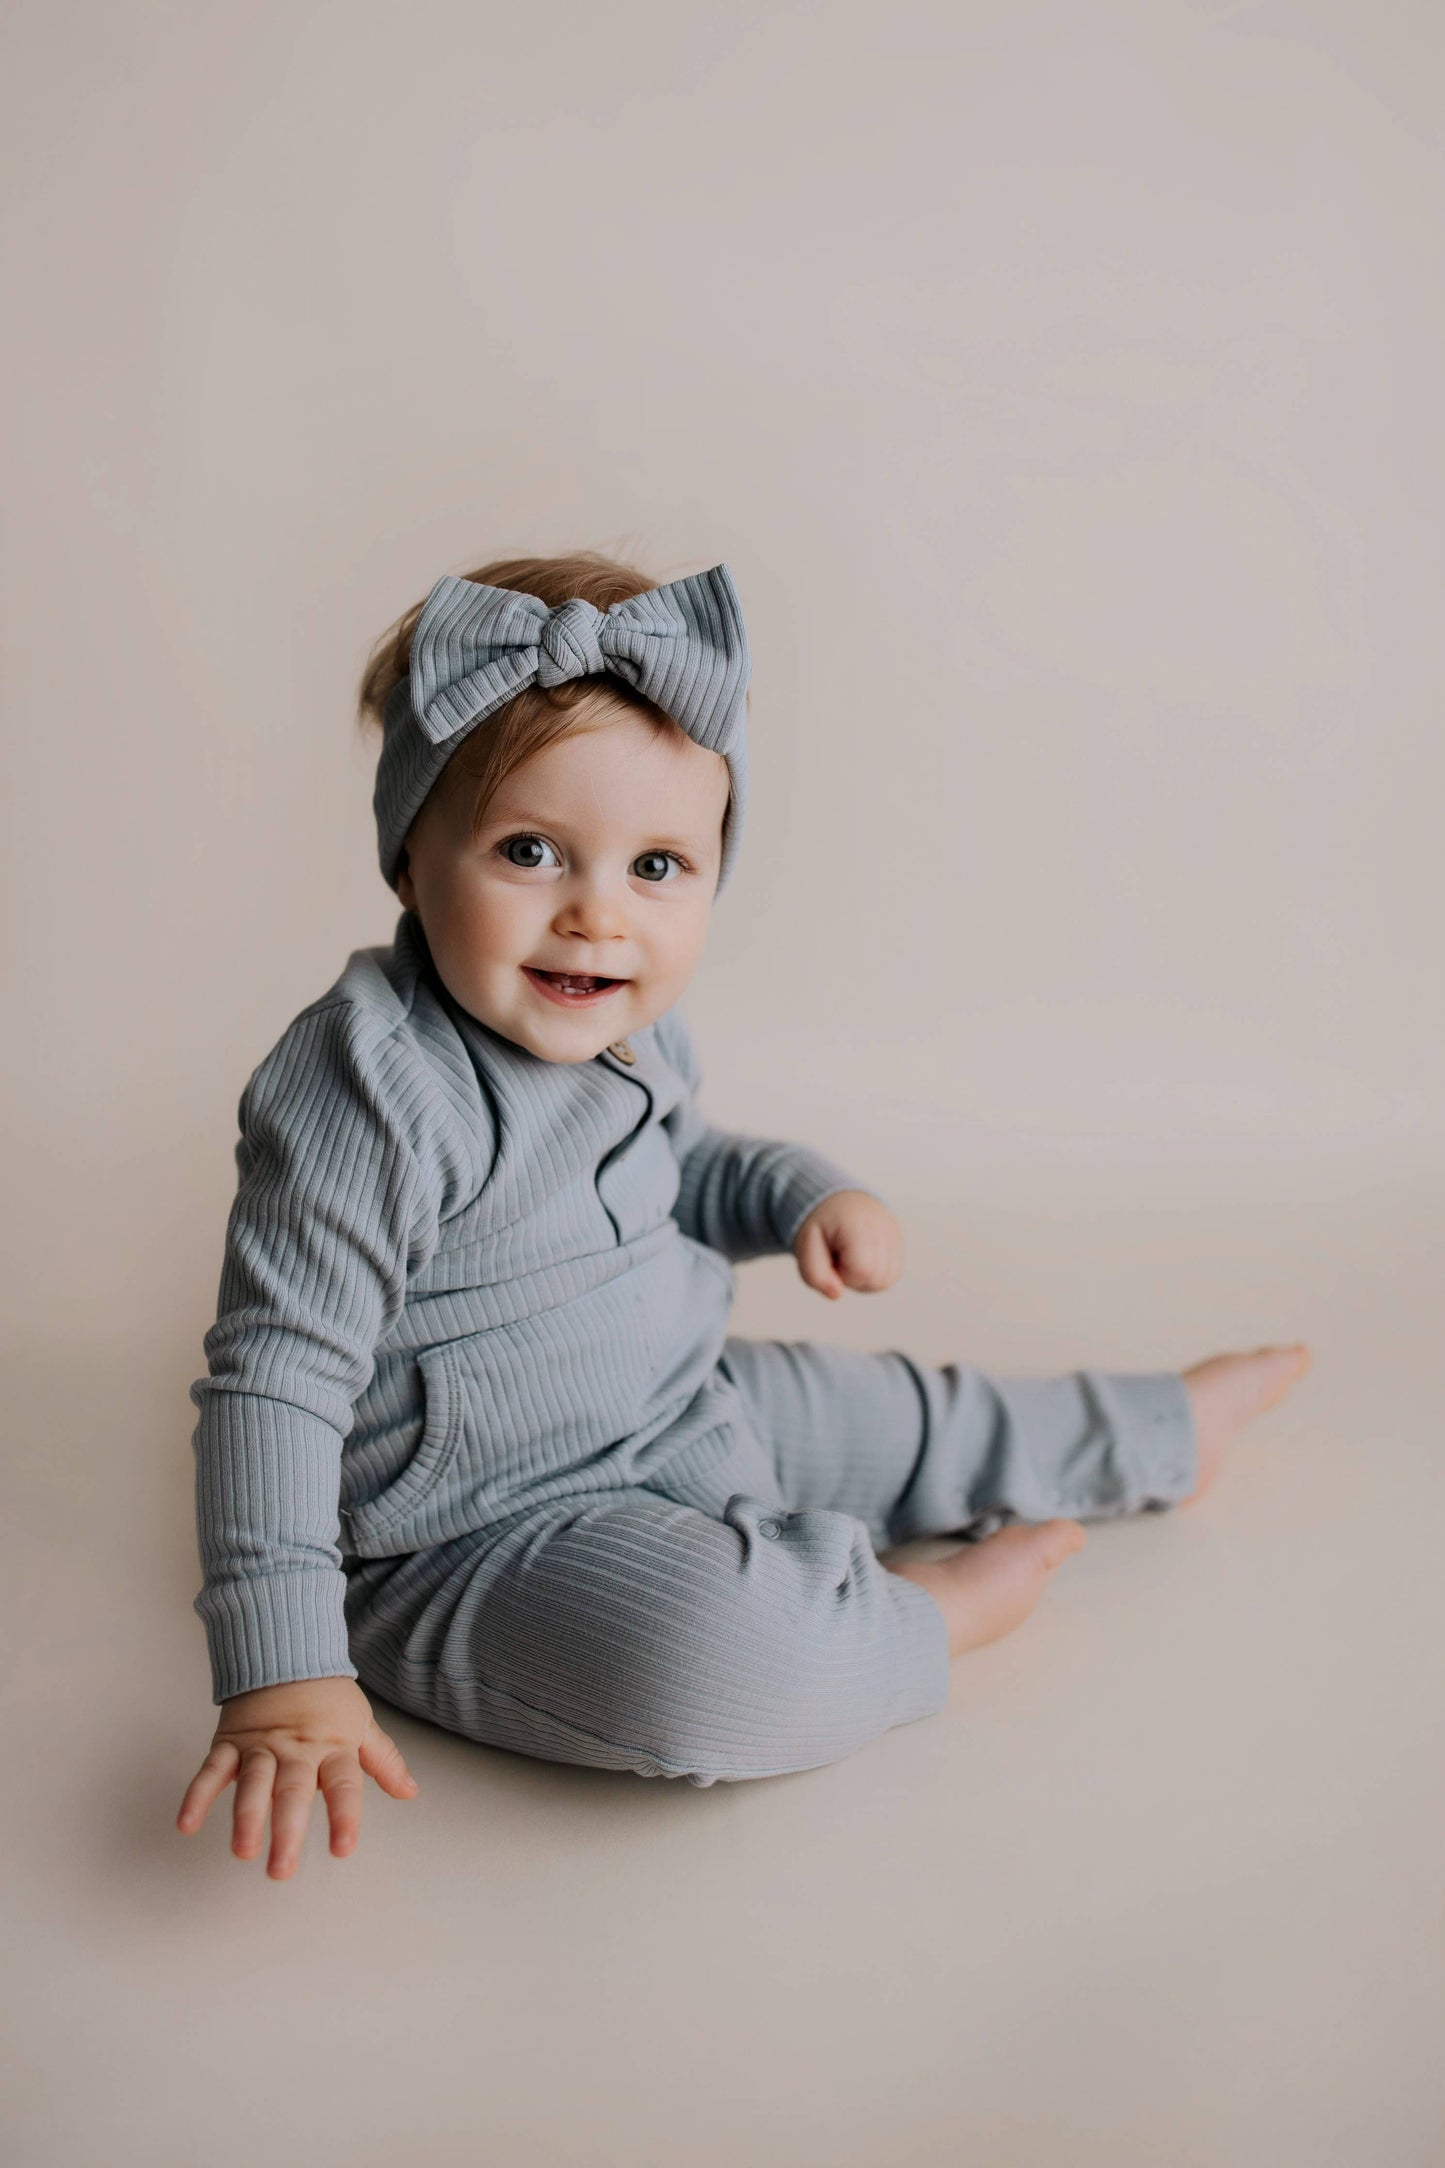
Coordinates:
(574, 989)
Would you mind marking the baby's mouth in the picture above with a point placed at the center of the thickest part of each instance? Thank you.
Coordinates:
(572, 987)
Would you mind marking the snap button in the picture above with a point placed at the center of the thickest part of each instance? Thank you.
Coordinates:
(769, 1528)
(622, 1050)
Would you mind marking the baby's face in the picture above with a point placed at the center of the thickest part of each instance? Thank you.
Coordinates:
(598, 855)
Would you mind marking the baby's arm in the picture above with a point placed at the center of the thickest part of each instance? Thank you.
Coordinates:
(745, 1196)
(314, 1271)
(330, 1211)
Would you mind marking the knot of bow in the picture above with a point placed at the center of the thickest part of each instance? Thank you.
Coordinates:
(570, 641)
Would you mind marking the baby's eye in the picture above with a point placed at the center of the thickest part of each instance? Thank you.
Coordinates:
(651, 859)
(528, 842)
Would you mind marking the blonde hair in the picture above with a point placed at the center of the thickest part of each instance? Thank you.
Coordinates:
(538, 715)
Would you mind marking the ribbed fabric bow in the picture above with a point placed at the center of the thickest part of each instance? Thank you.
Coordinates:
(683, 646)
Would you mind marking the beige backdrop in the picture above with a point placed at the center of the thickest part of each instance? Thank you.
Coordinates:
(1061, 384)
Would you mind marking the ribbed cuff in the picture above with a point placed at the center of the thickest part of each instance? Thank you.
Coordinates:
(924, 1664)
(1156, 1449)
(275, 1628)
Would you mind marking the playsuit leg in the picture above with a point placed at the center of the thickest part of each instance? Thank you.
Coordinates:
(919, 1449)
(717, 1609)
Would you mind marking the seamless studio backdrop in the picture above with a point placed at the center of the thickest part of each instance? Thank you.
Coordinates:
(1061, 386)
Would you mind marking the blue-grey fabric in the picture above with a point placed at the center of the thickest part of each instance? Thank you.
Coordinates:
(474, 1430)
(650, 1629)
(475, 647)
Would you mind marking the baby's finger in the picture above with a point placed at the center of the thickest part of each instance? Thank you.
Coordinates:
(214, 1774)
(253, 1797)
(340, 1779)
(382, 1758)
(815, 1261)
(870, 1267)
(291, 1798)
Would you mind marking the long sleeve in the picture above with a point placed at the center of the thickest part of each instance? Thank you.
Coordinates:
(745, 1196)
(329, 1203)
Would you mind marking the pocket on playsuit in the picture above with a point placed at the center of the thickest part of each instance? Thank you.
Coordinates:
(509, 1406)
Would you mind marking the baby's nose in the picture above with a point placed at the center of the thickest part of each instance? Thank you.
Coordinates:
(598, 914)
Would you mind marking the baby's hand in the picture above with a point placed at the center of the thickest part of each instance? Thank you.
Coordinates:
(851, 1239)
(280, 1743)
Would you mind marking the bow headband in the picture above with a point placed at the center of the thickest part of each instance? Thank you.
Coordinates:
(683, 646)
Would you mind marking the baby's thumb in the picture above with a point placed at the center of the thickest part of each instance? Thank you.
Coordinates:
(381, 1757)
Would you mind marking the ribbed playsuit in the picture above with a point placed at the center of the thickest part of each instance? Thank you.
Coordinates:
(474, 1431)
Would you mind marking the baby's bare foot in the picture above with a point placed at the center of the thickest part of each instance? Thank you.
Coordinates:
(986, 1589)
(1228, 1391)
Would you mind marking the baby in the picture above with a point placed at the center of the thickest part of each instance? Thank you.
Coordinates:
(474, 1431)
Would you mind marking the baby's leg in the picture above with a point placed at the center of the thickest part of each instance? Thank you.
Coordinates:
(985, 1591)
(919, 1449)
(914, 1449)
(626, 1631)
